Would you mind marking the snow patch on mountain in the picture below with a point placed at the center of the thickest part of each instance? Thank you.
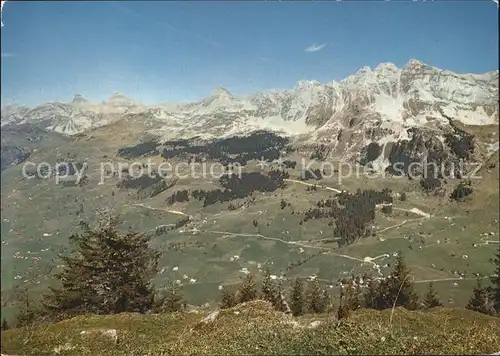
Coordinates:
(392, 108)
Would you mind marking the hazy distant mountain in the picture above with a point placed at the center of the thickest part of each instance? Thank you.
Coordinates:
(383, 102)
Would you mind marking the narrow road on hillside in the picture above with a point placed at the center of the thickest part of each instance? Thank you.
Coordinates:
(311, 184)
(450, 279)
(261, 236)
(414, 211)
(328, 251)
(400, 224)
(150, 207)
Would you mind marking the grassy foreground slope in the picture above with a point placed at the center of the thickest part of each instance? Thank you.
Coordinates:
(255, 328)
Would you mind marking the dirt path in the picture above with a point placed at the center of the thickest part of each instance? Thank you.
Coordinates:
(450, 279)
(261, 236)
(150, 207)
(415, 211)
(328, 251)
(367, 259)
(394, 226)
(310, 184)
(400, 224)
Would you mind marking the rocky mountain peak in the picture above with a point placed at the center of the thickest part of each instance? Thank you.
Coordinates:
(386, 66)
(416, 65)
(221, 93)
(220, 98)
(364, 69)
(78, 98)
(307, 84)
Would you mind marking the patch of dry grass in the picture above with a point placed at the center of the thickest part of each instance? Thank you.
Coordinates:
(254, 328)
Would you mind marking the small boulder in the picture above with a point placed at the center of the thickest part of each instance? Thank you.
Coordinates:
(210, 318)
(314, 324)
(110, 333)
(66, 347)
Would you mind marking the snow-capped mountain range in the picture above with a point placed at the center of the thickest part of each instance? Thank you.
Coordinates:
(387, 99)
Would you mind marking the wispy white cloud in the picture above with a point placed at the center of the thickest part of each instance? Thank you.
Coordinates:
(264, 59)
(315, 48)
(6, 54)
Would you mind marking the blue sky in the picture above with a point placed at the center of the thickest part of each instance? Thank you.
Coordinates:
(182, 51)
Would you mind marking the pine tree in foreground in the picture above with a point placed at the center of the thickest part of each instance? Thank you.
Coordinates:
(267, 288)
(228, 299)
(297, 300)
(395, 290)
(495, 281)
(398, 288)
(431, 299)
(172, 300)
(318, 299)
(324, 302)
(30, 312)
(352, 291)
(480, 300)
(281, 304)
(108, 272)
(247, 290)
(370, 295)
(315, 298)
(343, 311)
